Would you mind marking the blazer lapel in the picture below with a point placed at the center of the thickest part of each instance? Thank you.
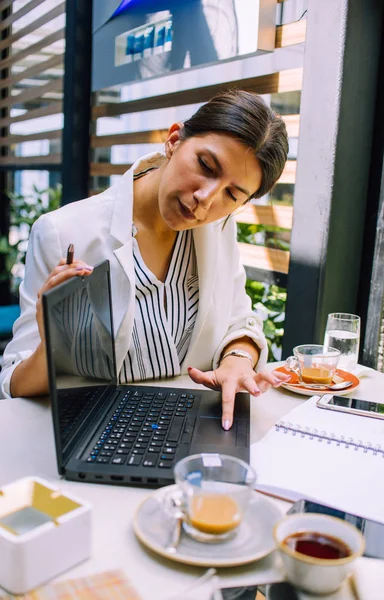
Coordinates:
(123, 301)
(206, 248)
(123, 296)
(121, 221)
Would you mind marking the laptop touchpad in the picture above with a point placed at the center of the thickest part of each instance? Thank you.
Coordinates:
(210, 431)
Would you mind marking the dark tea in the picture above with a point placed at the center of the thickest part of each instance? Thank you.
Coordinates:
(318, 545)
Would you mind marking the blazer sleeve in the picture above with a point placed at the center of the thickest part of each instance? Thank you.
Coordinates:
(44, 253)
(243, 320)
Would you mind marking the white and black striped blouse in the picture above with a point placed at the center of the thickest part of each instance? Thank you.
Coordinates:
(165, 314)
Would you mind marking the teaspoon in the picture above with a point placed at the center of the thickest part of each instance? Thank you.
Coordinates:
(174, 538)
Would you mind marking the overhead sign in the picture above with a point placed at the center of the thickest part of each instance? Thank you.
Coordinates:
(140, 39)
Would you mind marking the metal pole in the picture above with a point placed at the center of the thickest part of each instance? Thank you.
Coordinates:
(336, 130)
(77, 100)
(5, 293)
(371, 296)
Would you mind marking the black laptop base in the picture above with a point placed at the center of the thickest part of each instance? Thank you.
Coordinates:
(109, 433)
(148, 429)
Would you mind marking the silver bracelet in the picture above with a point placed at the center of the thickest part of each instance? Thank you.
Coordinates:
(240, 354)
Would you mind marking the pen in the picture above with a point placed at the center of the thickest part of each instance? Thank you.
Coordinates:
(70, 254)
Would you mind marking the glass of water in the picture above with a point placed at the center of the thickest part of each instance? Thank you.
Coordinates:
(343, 333)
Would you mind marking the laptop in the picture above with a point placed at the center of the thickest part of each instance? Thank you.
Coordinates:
(121, 434)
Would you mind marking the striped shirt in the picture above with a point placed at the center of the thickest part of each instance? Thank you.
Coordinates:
(82, 342)
(165, 314)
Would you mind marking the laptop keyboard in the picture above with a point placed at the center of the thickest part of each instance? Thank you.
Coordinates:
(145, 430)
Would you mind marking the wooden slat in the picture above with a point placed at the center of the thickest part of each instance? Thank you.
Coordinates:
(285, 81)
(275, 216)
(292, 123)
(158, 136)
(49, 159)
(106, 169)
(292, 33)
(289, 173)
(260, 257)
(141, 137)
(290, 80)
(31, 72)
(44, 111)
(32, 137)
(34, 49)
(56, 85)
(4, 4)
(20, 13)
(49, 16)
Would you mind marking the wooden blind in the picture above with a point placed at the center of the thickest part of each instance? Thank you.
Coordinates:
(108, 105)
(33, 86)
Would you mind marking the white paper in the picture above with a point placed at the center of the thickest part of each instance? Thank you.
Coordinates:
(344, 477)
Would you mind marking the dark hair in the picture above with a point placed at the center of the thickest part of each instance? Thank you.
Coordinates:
(245, 116)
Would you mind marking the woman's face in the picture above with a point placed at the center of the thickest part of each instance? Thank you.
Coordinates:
(205, 179)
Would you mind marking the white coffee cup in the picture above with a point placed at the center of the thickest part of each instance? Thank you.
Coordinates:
(312, 574)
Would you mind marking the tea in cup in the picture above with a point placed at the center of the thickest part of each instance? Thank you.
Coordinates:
(314, 363)
(318, 551)
(216, 489)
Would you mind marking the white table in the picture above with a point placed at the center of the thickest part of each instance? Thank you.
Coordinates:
(27, 448)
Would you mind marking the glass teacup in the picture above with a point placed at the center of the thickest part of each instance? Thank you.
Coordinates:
(216, 489)
(314, 363)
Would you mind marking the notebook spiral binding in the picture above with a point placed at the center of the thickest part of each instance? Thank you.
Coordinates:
(330, 438)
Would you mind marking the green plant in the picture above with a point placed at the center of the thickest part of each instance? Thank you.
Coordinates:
(267, 300)
(24, 210)
(269, 303)
(262, 235)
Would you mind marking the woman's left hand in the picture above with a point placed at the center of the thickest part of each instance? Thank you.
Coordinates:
(233, 375)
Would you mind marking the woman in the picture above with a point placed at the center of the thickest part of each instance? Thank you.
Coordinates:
(178, 293)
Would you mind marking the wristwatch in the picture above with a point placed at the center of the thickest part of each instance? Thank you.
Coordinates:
(241, 354)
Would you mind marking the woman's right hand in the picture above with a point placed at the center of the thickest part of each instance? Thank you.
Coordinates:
(59, 274)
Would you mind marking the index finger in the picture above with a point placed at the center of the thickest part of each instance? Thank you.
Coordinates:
(274, 378)
(281, 376)
(228, 393)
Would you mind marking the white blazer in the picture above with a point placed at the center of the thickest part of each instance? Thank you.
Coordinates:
(101, 228)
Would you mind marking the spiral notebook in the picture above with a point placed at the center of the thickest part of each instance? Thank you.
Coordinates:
(334, 458)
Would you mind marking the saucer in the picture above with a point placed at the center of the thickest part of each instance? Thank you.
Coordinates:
(253, 539)
(307, 391)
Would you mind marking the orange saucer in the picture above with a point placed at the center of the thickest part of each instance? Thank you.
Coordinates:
(307, 391)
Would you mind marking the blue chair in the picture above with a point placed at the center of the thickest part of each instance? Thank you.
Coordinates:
(8, 315)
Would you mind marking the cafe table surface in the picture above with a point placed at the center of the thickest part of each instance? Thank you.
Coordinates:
(27, 449)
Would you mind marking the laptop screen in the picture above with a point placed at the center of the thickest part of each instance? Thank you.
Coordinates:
(80, 352)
